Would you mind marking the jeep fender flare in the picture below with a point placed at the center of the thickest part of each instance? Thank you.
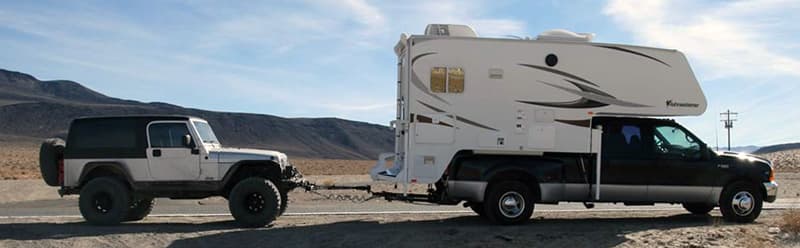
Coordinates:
(110, 166)
(268, 169)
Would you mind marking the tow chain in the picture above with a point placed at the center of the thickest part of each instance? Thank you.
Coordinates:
(342, 197)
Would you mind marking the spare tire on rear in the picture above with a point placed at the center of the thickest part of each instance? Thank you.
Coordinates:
(50, 153)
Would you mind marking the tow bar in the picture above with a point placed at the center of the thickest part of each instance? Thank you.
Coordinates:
(295, 180)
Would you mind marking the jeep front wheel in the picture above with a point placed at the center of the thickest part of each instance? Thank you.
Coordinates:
(104, 201)
(254, 202)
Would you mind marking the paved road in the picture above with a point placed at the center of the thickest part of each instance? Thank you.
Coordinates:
(213, 207)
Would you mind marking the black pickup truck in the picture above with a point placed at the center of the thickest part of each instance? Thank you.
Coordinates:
(642, 161)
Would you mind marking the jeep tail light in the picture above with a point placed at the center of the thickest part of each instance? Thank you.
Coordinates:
(61, 171)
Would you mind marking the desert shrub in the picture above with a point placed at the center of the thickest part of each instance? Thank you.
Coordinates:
(791, 221)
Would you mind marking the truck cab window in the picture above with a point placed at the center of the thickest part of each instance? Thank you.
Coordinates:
(167, 135)
(622, 140)
(673, 142)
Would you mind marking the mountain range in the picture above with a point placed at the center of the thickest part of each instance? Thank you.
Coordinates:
(33, 109)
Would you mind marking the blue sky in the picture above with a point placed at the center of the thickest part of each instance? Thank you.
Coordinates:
(334, 58)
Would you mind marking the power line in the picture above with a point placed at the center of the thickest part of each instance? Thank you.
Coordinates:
(730, 117)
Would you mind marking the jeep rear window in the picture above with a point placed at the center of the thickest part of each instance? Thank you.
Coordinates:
(206, 134)
(103, 134)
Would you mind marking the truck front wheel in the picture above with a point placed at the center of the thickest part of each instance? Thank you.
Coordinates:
(254, 202)
(509, 202)
(104, 201)
(741, 202)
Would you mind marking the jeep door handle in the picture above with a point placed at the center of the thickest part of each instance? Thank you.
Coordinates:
(156, 152)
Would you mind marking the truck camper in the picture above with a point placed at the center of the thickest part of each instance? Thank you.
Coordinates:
(503, 124)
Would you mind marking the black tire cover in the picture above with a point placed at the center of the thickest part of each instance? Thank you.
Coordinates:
(49, 153)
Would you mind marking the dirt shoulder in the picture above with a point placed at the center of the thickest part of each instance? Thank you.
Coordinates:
(574, 229)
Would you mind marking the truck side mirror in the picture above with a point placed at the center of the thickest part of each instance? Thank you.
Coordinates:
(187, 141)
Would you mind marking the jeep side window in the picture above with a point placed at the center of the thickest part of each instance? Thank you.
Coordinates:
(167, 135)
(673, 142)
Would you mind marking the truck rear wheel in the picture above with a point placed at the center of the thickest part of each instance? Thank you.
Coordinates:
(140, 208)
(509, 202)
(254, 202)
(104, 201)
(698, 208)
(741, 202)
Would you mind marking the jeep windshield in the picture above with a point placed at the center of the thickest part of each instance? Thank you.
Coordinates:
(206, 134)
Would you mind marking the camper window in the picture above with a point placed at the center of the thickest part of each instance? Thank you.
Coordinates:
(455, 78)
(447, 80)
(438, 79)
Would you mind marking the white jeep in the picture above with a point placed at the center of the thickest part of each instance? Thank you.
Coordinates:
(119, 165)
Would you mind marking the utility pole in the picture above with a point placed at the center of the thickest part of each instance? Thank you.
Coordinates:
(729, 123)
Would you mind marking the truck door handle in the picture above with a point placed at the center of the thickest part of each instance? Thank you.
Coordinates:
(156, 152)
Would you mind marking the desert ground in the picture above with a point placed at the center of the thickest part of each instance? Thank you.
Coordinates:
(33, 215)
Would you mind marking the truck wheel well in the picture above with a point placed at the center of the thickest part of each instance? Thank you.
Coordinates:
(515, 175)
(747, 180)
(267, 170)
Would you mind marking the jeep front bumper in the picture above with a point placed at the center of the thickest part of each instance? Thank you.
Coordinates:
(771, 189)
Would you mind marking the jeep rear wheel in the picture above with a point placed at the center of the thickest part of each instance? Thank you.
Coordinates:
(254, 202)
(104, 201)
(741, 202)
(509, 202)
(140, 208)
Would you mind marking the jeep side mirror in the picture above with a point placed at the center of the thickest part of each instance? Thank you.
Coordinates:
(187, 141)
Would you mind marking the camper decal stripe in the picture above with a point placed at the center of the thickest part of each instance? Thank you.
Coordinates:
(459, 118)
(635, 53)
(550, 70)
(420, 56)
(590, 98)
(418, 83)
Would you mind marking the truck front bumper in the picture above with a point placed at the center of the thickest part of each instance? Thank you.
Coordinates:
(771, 189)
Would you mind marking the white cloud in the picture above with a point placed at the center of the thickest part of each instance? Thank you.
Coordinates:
(729, 39)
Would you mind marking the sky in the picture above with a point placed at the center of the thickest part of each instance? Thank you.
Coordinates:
(334, 58)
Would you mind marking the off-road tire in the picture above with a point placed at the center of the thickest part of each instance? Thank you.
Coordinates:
(284, 201)
(500, 190)
(254, 202)
(698, 208)
(104, 201)
(50, 152)
(140, 208)
(734, 190)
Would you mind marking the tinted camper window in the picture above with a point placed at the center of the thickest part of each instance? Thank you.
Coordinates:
(103, 134)
(438, 79)
(455, 78)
